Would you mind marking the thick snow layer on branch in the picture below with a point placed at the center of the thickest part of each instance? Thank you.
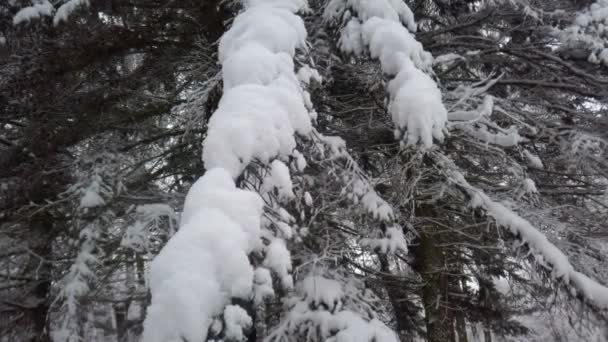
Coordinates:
(36, 11)
(278, 259)
(392, 242)
(278, 178)
(393, 10)
(588, 32)
(318, 290)
(416, 106)
(64, 11)
(319, 309)
(255, 64)
(415, 100)
(277, 29)
(206, 262)
(505, 139)
(291, 5)
(538, 242)
(483, 110)
(254, 122)
(352, 328)
(236, 319)
(262, 285)
(263, 104)
(391, 43)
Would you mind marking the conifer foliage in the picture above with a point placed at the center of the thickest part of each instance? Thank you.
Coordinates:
(303, 170)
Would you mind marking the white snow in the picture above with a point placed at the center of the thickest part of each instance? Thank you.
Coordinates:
(262, 285)
(538, 243)
(390, 42)
(91, 199)
(254, 64)
(507, 138)
(250, 123)
(276, 29)
(306, 73)
(392, 242)
(65, 10)
(351, 39)
(91, 195)
(416, 106)
(300, 160)
(355, 329)
(278, 259)
(362, 192)
(448, 58)
(529, 186)
(206, 262)
(318, 290)
(393, 10)
(236, 319)
(278, 178)
(588, 31)
(319, 309)
(533, 160)
(291, 5)
(415, 100)
(483, 110)
(36, 11)
(308, 199)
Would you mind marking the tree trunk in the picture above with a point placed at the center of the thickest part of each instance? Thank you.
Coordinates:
(430, 261)
(41, 229)
(396, 294)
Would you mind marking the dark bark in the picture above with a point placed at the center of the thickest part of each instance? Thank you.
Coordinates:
(430, 262)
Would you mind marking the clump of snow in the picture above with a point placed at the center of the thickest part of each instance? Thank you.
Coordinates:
(391, 43)
(91, 195)
(254, 64)
(507, 138)
(36, 11)
(351, 39)
(262, 285)
(276, 29)
(236, 319)
(278, 178)
(135, 237)
(306, 73)
(290, 5)
(529, 186)
(206, 262)
(588, 32)
(300, 161)
(393, 10)
(392, 242)
(308, 199)
(65, 10)
(263, 106)
(362, 192)
(416, 106)
(533, 160)
(278, 259)
(483, 110)
(353, 328)
(318, 290)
